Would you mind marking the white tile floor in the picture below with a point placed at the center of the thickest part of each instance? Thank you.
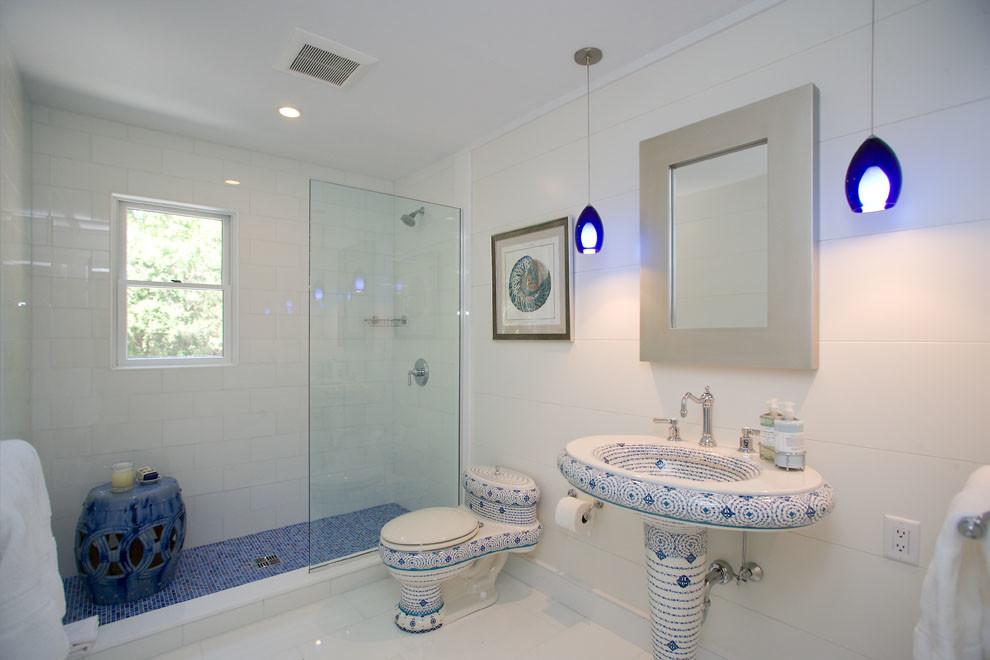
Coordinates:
(524, 624)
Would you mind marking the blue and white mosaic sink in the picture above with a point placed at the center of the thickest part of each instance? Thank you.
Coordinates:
(710, 487)
(679, 490)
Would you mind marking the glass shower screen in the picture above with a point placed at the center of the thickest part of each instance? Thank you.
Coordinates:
(384, 363)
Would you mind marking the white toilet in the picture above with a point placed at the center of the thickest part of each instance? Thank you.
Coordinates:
(463, 548)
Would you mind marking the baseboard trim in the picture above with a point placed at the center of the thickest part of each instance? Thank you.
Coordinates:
(626, 621)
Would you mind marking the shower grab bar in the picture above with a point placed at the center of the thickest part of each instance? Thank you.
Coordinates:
(379, 322)
(974, 527)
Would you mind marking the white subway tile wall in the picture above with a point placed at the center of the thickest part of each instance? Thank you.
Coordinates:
(15, 254)
(434, 436)
(234, 437)
(904, 334)
(425, 438)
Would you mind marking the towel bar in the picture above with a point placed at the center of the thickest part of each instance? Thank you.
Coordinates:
(974, 527)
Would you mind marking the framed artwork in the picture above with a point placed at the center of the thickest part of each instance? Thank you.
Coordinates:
(531, 282)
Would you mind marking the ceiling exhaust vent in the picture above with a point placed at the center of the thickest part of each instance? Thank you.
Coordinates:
(324, 65)
(315, 57)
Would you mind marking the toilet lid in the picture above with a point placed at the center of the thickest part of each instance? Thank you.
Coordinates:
(429, 529)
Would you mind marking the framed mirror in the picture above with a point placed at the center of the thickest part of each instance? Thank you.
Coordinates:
(727, 238)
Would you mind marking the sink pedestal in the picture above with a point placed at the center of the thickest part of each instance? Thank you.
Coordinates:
(675, 568)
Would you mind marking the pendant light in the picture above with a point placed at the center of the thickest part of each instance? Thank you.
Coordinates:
(873, 180)
(589, 232)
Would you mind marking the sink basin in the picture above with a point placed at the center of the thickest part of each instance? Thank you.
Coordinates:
(709, 487)
(667, 463)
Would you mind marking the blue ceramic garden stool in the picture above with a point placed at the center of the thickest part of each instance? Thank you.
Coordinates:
(128, 544)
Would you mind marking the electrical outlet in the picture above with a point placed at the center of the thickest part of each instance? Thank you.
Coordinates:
(901, 539)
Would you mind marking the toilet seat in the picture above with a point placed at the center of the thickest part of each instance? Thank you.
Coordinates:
(434, 528)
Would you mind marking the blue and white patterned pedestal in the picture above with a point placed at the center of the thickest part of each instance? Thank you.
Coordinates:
(675, 569)
(421, 607)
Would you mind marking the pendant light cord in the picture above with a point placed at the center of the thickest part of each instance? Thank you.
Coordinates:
(587, 96)
(873, 39)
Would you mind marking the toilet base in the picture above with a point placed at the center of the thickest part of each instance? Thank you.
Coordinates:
(420, 608)
(419, 623)
(426, 604)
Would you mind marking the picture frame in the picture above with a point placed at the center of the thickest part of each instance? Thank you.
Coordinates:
(532, 283)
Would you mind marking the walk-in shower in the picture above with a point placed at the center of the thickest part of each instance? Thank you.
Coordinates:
(384, 363)
(384, 383)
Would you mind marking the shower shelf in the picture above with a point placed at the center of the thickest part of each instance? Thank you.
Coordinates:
(379, 322)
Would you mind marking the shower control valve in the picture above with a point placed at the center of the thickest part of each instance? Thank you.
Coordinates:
(420, 371)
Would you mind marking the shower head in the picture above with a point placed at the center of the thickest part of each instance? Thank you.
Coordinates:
(410, 218)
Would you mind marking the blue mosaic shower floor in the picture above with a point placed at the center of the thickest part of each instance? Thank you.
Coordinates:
(217, 566)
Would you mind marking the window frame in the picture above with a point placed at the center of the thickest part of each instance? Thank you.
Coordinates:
(120, 283)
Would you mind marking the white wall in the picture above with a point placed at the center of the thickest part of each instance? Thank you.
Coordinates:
(15, 253)
(425, 433)
(447, 415)
(905, 320)
(234, 437)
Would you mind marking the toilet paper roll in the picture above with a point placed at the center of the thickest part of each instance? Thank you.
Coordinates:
(575, 515)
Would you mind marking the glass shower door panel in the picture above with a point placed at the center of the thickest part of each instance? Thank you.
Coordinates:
(357, 332)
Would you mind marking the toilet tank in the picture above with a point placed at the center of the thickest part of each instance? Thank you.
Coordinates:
(499, 494)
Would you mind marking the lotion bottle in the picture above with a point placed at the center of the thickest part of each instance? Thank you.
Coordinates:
(789, 452)
(767, 432)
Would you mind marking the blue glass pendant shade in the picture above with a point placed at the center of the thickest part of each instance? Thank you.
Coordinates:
(873, 180)
(589, 232)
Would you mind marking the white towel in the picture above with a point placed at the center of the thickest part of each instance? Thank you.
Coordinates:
(955, 597)
(32, 601)
(82, 636)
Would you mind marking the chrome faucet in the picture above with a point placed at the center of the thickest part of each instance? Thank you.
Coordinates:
(706, 400)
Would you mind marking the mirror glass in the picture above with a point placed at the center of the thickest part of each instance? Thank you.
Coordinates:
(720, 241)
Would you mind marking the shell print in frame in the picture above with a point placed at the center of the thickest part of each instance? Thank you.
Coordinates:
(529, 284)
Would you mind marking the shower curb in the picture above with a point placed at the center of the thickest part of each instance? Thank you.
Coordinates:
(169, 628)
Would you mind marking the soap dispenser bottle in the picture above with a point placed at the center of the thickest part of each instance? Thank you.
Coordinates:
(767, 432)
(789, 452)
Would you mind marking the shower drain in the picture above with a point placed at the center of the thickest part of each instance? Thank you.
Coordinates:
(270, 560)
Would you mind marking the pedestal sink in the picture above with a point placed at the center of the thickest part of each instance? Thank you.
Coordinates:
(681, 490)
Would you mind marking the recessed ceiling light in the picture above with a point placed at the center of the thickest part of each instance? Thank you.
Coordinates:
(289, 111)
(233, 182)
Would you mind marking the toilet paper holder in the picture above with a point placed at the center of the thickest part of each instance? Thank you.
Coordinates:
(597, 504)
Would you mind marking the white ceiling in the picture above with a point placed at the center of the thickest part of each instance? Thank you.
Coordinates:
(449, 72)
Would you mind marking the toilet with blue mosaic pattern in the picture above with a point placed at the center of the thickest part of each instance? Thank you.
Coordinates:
(447, 559)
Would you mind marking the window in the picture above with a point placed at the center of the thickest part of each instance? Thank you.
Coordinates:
(173, 299)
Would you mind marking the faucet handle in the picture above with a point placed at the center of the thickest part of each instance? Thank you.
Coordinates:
(746, 439)
(673, 433)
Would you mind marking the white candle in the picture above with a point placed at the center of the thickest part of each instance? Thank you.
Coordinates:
(122, 476)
